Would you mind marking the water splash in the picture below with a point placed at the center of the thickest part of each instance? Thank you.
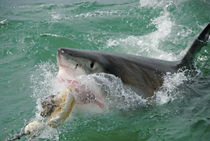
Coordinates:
(43, 79)
(98, 13)
(149, 44)
(43, 84)
(56, 16)
(123, 97)
(50, 35)
(117, 95)
(3, 22)
(156, 3)
(168, 91)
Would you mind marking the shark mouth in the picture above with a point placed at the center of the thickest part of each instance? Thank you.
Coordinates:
(66, 71)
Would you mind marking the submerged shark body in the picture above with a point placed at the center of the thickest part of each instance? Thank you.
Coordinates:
(143, 74)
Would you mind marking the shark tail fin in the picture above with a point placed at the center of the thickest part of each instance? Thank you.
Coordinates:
(196, 46)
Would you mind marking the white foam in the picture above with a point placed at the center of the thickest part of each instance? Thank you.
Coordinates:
(148, 45)
(98, 13)
(49, 34)
(117, 94)
(111, 88)
(56, 16)
(168, 90)
(149, 3)
(156, 3)
(50, 134)
(154, 44)
(46, 132)
(5, 21)
(44, 84)
(43, 79)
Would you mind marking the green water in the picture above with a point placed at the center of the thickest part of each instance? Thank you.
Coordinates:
(32, 31)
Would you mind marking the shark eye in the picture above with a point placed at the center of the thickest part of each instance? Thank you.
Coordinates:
(91, 64)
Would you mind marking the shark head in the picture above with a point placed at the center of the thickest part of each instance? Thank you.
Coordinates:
(73, 63)
(138, 72)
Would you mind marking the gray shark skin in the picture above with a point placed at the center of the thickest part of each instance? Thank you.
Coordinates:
(143, 74)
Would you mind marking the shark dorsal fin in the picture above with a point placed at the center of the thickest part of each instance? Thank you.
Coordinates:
(196, 46)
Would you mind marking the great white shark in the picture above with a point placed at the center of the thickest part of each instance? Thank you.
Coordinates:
(143, 74)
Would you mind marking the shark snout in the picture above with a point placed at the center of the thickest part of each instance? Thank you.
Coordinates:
(61, 51)
(67, 52)
(66, 58)
(61, 57)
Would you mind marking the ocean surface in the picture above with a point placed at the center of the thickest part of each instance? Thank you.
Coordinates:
(32, 30)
